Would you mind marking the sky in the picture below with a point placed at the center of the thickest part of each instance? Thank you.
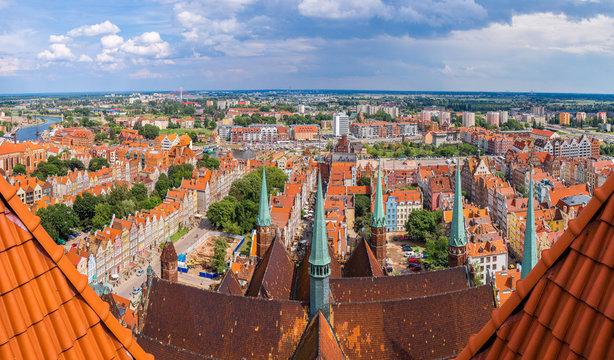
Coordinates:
(423, 45)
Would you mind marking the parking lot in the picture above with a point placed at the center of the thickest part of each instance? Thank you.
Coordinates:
(396, 256)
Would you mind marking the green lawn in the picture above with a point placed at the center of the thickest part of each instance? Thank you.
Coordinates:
(176, 236)
(184, 131)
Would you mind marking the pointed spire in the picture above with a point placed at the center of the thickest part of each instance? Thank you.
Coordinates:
(319, 242)
(529, 254)
(378, 219)
(457, 231)
(264, 213)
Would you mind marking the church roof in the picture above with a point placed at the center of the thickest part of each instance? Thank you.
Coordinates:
(318, 342)
(167, 351)
(222, 326)
(362, 262)
(564, 308)
(47, 309)
(274, 274)
(429, 327)
(363, 289)
(230, 285)
(302, 289)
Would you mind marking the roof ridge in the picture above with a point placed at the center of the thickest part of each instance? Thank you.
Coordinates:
(77, 280)
(548, 260)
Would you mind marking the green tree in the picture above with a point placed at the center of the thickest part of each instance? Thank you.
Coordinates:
(75, 164)
(58, 220)
(363, 222)
(420, 223)
(149, 131)
(212, 163)
(125, 208)
(98, 163)
(218, 261)
(436, 249)
(139, 192)
(19, 169)
(176, 173)
(85, 207)
(221, 211)
(103, 213)
(151, 202)
(162, 185)
(364, 181)
(246, 212)
(362, 205)
(522, 190)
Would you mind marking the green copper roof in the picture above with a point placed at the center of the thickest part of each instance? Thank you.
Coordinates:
(378, 219)
(264, 213)
(319, 243)
(529, 254)
(457, 232)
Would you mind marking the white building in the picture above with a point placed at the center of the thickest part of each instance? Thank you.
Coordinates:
(503, 116)
(425, 115)
(468, 119)
(341, 124)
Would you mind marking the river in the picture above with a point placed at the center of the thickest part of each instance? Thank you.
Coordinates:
(29, 133)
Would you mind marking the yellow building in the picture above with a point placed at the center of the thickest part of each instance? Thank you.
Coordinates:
(564, 118)
(549, 221)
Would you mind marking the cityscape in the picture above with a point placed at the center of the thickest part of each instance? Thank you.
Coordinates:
(194, 184)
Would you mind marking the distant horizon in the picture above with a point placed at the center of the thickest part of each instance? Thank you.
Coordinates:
(306, 90)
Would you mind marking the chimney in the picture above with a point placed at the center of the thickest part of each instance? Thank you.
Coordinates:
(513, 281)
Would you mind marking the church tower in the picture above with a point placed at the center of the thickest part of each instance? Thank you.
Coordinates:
(319, 260)
(457, 244)
(168, 261)
(529, 253)
(378, 223)
(264, 230)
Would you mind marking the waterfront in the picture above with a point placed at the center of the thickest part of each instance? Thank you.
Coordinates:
(29, 132)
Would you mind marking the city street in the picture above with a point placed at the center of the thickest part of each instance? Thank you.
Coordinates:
(125, 287)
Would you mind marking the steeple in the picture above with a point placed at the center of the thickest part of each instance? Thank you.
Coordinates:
(378, 219)
(319, 260)
(457, 243)
(457, 231)
(264, 213)
(529, 254)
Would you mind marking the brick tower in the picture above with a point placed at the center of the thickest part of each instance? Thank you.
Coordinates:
(457, 244)
(168, 261)
(378, 223)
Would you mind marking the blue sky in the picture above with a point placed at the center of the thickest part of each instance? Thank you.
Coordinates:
(464, 45)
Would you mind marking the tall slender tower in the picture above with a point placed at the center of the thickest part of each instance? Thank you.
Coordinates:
(378, 223)
(529, 253)
(319, 271)
(457, 244)
(264, 230)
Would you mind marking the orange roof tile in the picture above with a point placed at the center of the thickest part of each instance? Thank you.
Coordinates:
(564, 308)
(48, 311)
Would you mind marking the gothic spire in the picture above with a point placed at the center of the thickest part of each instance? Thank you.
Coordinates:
(529, 254)
(378, 219)
(319, 242)
(457, 232)
(264, 213)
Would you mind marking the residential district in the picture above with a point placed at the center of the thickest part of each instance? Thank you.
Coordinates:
(304, 226)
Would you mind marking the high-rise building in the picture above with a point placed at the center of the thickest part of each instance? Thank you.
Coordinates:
(468, 119)
(503, 116)
(564, 118)
(444, 118)
(300, 108)
(425, 115)
(603, 116)
(492, 118)
(538, 110)
(341, 124)
(581, 116)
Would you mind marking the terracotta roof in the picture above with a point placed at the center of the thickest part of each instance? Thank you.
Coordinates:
(273, 275)
(398, 287)
(166, 351)
(429, 327)
(230, 285)
(318, 342)
(564, 308)
(362, 262)
(222, 326)
(47, 309)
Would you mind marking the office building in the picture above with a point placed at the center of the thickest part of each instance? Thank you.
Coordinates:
(341, 124)
(468, 119)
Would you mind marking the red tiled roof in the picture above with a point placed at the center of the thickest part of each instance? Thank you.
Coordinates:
(47, 309)
(564, 308)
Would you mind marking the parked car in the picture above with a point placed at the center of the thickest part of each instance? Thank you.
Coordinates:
(136, 290)
(414, 261)
(415, 267)
(140, 272)
(389, 269)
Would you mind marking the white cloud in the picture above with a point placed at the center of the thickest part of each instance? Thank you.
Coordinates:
(108, 56)
(59, 39)
(56, 52)
(111, 41)
(446, 70)
(85, 58)
(144, 74)
(8, 66)
(103, 28)
(441, 12)
(344, 9)
(149, 44)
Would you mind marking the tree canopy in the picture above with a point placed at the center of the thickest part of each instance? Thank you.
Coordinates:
(58, 220)
(19, 169)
